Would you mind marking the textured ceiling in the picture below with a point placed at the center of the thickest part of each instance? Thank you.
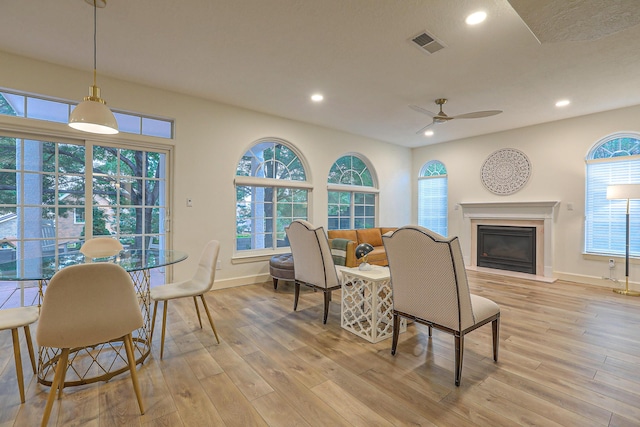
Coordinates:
(270, 55)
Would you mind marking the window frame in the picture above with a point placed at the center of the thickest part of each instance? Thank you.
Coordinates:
(605, 220)
(429, 175)
(275, 184)
(354, 192)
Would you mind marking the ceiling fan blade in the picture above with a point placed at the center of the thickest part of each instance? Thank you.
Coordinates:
(477, 114)
(422, 110)
(425, 128)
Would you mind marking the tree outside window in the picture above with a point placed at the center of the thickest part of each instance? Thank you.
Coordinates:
(352, 194)
(271, 192)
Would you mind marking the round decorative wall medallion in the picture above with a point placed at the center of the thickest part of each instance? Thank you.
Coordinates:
(506, 171)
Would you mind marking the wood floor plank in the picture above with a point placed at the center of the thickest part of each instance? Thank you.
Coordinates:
(308, 405)
(233, 408)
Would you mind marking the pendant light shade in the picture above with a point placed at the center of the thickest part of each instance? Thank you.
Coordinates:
(92, 115)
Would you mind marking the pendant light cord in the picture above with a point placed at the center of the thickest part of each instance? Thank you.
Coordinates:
(95, 44)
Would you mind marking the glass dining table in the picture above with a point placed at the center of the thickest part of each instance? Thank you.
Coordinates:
(104, 361)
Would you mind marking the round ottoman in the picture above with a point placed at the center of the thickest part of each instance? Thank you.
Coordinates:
(281, 268)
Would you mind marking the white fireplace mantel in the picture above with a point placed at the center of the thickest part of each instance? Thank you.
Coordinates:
(543, 211)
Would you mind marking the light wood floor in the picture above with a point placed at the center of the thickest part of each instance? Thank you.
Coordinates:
(569, 356)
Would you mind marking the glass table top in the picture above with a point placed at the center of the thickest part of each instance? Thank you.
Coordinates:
(44, 268)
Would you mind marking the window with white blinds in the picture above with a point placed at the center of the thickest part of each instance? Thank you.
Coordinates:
(432, 197)
(614, 160)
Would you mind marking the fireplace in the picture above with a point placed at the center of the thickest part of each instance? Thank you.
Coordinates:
(537, 214)
(507, 248)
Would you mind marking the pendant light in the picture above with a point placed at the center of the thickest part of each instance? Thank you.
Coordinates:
(92, 114)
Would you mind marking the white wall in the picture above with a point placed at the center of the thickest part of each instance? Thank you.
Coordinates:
(210, 138)
(557, 153)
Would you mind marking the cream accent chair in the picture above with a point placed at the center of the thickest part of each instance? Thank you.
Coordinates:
(430, 286)
(14, 318)
(197, 286)
(313, 262)
(101, 247)
(85, 305)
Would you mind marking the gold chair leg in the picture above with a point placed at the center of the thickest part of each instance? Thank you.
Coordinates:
(195, 302)
(27, 334)
(164, 326)
(128, 344)
(206, 308)
(18, 359)
(63, 376)
(153, 321)
(61, 366)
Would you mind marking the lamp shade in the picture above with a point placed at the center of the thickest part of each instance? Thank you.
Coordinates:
(363, 249)
(623, 192)
(93, 116)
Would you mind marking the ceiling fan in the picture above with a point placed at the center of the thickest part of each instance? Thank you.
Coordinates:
(441, 117)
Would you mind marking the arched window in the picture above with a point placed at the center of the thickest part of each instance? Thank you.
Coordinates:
(271, 191)
(432, 197)
(352, 194)
(613, 160)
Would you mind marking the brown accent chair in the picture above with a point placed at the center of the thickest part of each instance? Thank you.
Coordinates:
(372, 236)
(430, 286)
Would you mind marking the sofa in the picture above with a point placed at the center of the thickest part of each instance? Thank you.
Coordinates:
(352, 238)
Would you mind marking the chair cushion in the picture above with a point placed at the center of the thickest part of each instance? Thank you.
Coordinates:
(371, 236)
(12, 318)
(343, 234)
(483, 308)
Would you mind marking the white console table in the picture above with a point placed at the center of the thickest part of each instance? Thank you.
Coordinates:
(367, 303)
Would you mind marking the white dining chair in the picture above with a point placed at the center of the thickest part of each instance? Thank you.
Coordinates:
(13, 319)
(85, 305)
(101, 247)
(197, 286)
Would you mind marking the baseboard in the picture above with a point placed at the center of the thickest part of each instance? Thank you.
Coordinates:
(596, 281)
(241, 281)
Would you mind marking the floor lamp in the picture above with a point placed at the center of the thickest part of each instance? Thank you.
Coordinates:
(625, 192)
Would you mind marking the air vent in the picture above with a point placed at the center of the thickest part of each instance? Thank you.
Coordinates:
(427, 43)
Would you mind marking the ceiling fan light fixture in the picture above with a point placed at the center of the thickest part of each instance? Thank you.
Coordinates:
(476, 18)
(428, 132)
(317, 97)
(563, 103)
(92, 114)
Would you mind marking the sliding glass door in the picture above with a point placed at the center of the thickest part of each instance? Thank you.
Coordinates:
(50, 190)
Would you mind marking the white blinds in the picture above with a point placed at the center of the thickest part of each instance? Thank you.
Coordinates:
(432, 203)
(605, 220)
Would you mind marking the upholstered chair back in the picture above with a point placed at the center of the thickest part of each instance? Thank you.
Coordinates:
(428, 277)
(311, 255)
(206, 272)
(88, 304)
(101, 247)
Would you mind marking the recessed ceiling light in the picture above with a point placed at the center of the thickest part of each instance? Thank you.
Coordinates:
(563, 103)
(428, 132)
(476, 18)
(316, 97)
